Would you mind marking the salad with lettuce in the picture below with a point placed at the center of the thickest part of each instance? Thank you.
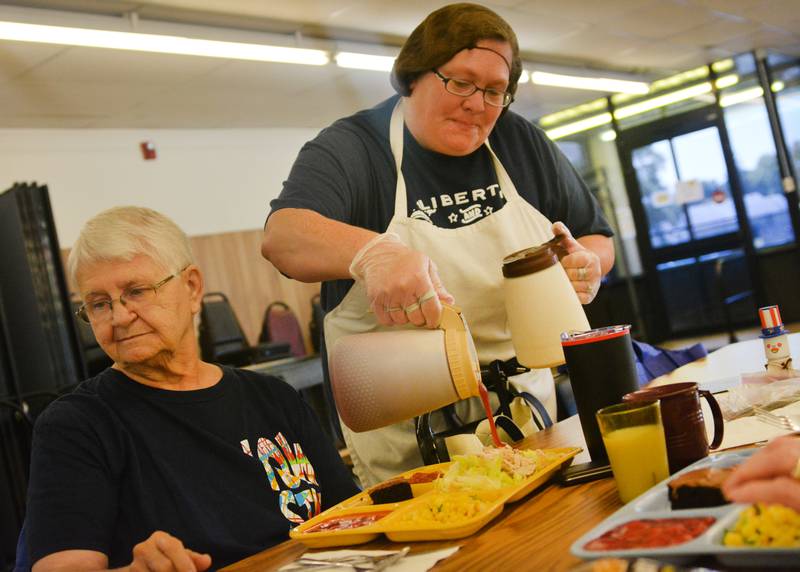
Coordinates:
(493, 468)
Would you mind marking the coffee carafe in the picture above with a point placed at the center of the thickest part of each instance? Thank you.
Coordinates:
(380, 378)
(541, 304)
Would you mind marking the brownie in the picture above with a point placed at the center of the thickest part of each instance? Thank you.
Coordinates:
(393, 490)
(698, 489)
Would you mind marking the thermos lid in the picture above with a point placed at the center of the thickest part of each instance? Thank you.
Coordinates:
(596, 335)
(462, 358)
(529, 260)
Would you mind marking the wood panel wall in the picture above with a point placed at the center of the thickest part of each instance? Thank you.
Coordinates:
(231, 263)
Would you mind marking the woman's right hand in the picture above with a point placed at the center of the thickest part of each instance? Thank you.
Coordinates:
(162, 552)
(402, 284)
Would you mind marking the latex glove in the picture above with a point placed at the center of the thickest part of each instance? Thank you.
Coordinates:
(402, 284)
(582, 265)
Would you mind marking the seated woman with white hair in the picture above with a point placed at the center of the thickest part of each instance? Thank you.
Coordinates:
(164, 461)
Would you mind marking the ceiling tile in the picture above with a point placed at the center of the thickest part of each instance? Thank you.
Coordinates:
(775, 12)
(597, 45)
(717, 31)
(594, 12)
(537, 34)
(764, 37)
(16, 58)
(78, 98)
(281, 78)
(669, 57)
(122, 67)
(735, 7)
(663, 19)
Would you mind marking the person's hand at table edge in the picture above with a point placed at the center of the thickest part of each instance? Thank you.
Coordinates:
(161, 551)
(772, 475)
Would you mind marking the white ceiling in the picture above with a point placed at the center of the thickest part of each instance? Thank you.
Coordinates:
(68, 87)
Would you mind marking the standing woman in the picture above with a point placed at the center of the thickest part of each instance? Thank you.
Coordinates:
(417, 201)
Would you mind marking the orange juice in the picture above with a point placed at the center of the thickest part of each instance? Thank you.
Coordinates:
(638, 458)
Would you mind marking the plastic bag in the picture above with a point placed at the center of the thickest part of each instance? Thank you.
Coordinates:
(739, 401)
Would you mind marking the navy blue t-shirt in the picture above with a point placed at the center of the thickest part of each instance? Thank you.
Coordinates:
(347, 173)
(229, 470)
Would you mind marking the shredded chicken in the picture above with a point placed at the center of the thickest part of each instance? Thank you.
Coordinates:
(515, 462)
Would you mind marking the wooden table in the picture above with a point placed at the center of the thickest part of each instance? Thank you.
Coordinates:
(532, 534)
(537, 532)
(727, 363)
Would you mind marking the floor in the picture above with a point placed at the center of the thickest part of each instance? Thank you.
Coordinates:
(716, 341)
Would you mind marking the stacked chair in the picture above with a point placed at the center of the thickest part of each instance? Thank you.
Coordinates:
(95, 359)
(281, 325)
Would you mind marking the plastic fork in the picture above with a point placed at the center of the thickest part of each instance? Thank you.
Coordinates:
(356, 562)
(780, 421)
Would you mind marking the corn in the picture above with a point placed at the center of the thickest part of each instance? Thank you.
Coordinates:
(765, 525)
(444, 509)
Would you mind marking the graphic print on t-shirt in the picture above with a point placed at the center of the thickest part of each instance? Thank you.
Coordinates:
(291, 474)
(460, 208)
(447, 191)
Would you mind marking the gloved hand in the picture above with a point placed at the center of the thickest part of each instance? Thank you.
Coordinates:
(402, 284)
(582, 265)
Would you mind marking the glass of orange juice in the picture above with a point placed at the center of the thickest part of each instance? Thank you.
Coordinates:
(636, 447)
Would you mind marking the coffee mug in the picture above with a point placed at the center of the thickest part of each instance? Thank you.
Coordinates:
(683, 422)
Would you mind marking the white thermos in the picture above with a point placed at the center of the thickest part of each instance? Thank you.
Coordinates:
(381, 378)
(541, 304)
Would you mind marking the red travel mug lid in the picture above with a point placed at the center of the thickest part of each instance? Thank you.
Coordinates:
(596, 335)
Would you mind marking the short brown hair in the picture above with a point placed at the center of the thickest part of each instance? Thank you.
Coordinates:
(443, 34)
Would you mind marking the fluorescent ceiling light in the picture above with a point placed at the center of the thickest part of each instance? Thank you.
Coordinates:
(161, 44)
(524, 77)
(364, 61)
(590, 83)
(726, 81)
(740, 96)
(578, 126)
(577, 111)
(608, 135)
(777, 86)
(663, 100)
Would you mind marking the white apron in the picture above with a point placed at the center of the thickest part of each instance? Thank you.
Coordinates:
(469, 260)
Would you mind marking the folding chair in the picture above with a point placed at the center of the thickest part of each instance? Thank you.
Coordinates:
(281, 325)
(222, 339)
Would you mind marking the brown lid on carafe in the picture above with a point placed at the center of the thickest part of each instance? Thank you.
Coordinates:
(529, 260)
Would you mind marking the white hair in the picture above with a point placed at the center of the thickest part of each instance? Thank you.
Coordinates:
(122, 233)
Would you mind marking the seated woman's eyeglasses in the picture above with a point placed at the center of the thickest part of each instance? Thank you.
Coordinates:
(466, 88)
(134, 297)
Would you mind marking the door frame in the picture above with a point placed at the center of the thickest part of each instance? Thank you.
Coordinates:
(667, 128)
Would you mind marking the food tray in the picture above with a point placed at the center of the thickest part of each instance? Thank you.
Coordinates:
(654, 504)
(399, 523)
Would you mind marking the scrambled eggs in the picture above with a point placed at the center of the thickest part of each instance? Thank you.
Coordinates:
(444, 509)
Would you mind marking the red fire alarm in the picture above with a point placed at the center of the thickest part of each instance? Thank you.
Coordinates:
(148, 150)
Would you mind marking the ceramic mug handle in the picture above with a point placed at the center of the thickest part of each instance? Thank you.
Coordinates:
(716, 413)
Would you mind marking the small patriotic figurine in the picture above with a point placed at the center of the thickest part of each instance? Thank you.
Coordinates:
(775, 338)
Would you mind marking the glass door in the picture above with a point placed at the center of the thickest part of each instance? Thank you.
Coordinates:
(692, 235)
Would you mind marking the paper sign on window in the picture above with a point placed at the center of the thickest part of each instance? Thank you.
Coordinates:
(689, 191)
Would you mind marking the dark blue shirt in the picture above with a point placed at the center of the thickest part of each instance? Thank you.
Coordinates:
(229, 470)
(347, 173)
